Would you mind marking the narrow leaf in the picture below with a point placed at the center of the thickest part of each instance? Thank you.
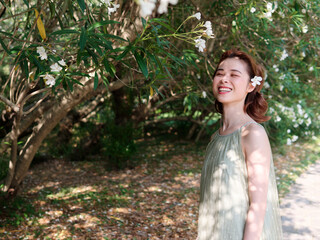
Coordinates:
(82, 5)
(108, 67)
(144, 22)
(40, 26)
(65, 31)
(142, 63)
(162, 23)
(96, 80)
(102, 23)
(83, 38)
(4, 46)
(151, 91)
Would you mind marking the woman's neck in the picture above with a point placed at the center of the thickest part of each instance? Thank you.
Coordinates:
(233, 117)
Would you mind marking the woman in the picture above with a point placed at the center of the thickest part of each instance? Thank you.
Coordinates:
(238, 192)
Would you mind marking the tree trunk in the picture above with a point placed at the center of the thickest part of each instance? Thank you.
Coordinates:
(49, 120)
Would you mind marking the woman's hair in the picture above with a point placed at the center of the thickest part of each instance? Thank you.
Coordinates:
(255, 105)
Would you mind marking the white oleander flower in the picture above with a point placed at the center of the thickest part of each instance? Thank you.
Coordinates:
(197, 15)
(163, 7)
(55, 68)
(113, 9)
(304, 29)
(311, 68)
(106, 2)
(50, 80)
(284, 55)
(304, 11)
(200, 44)
(289, 142)
(42, 52)
(62, 63)
(278, 119)
(276, 69)
(294, 138)
(252, 10)
(209, 31)
(146, 7)
(266, 85)
(256, 80)
(204, 94)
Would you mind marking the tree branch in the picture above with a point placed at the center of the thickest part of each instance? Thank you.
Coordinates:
(9, 103)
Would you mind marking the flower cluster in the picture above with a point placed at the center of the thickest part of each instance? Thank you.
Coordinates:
(296, 115)
(112, 7)
(270, 10)
(147, 6)
(199, 42)
(284, 55)
(56, 67)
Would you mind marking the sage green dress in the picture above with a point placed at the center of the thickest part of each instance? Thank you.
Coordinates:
(224, 199)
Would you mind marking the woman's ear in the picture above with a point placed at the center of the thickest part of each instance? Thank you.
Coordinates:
(250, 87)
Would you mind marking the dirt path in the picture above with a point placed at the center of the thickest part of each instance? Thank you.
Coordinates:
(300, 209)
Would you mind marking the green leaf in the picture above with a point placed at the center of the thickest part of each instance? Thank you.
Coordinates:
(65, 31)
(142, 63)
(96, 81)
(4, 46)
(83, 38)
(124, 53)
(5, 33)
(77, 74)
(109, 67)
(102, 23)
(105, 80)
(162, 23)
(70, 84)
(52, 8)
(144, 22)
(82, 5)
(93, 55)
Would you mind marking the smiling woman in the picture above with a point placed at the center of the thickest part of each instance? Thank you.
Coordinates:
(238, 192)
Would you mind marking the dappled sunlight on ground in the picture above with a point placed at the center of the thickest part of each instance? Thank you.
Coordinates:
(158, 199)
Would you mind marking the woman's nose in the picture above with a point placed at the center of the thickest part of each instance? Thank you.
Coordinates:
(224, 79)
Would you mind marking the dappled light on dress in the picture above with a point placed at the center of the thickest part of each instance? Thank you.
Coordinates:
(224, 199)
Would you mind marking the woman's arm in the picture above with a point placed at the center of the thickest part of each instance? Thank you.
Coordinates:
(257, 152)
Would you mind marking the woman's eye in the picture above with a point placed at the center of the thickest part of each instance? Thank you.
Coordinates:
(233, 75)
(219, 74)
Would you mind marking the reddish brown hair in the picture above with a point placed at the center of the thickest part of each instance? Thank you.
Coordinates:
(255, 105)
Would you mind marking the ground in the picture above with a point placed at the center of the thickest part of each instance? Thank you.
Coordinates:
(157, 199)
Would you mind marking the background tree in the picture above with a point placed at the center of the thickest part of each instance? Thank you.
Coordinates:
(98, 64)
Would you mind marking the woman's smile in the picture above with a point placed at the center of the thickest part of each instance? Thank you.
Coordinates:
(224, 90)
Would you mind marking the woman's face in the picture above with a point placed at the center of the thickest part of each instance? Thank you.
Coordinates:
(231, 83)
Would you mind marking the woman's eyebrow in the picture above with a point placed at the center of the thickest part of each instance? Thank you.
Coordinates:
(236, 70)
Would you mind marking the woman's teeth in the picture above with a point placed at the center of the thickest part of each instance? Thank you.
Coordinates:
(224, 90)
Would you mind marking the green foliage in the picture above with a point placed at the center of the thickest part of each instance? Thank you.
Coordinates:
(118, 144)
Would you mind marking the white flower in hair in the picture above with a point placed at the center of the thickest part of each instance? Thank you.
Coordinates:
(256, 80)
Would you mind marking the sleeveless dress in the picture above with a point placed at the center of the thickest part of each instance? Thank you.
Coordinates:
(224, 199)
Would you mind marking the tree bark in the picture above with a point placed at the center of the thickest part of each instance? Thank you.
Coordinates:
(48, 121)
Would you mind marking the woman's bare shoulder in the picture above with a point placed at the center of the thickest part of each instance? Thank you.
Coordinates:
(254, 136)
